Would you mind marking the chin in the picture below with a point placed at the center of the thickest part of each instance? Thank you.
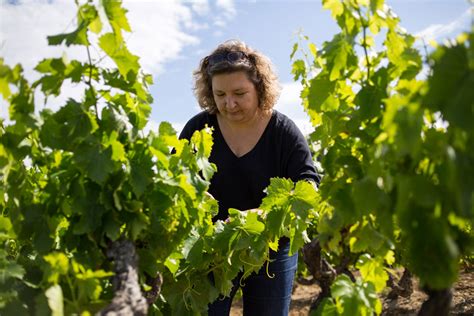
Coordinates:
(235, 116)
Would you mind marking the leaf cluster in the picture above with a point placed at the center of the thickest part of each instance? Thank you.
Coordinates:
(394, 143)
(76, 179)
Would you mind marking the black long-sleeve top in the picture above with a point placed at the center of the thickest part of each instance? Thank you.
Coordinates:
(282, 151)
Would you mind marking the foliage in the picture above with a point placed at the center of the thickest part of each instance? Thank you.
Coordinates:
(395, 146)
(220, 252)
(77, 179)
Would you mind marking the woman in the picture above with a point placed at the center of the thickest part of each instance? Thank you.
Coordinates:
(237, 89)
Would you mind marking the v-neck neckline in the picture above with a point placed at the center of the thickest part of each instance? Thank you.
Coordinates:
(218, 129)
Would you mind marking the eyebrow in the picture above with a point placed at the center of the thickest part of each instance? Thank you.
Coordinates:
(235, 90)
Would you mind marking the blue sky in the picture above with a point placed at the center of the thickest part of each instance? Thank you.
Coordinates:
(172, 36)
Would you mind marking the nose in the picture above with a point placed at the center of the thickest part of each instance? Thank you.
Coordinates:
(230, 102)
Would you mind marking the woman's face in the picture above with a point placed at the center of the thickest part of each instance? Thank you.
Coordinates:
(235, 96)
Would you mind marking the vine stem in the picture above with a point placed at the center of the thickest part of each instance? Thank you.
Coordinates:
(364, 43)
(89, 82)
(74, 302)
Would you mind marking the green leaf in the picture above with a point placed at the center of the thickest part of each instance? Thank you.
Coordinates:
(275, 221)
(5, 79)
(67, 127)
(5, 228)
(118, 150)
(369, 100)
(10, 270)
(116, 15)
(86, 206)
(294, 50)
(22, 104)
(304, 198)
(338, 53)
(112, 227)
(172, 262)
(138, 224)
(313, 50)
(141, 169)
(354, 299)
(298, 69)
(117, 50)
(367, 196)
(321, 96)
(252, 224)
(77, 37)
(51, 66)
(51, 85)
(342, 286)
(325, 308)
(57, 266)
(364, 238)
(372, 270)
(202, 142)
(449, 86)
(95, 160)
(336, 7)
(277, 193)
(89, 15)
(427, 239)
(75, 70)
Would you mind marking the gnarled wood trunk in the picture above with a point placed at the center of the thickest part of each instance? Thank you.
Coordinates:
(321, 270)
(403, 288)
(128, 299)
(438, 302)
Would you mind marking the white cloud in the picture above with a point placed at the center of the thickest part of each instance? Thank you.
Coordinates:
(220, 22)
(225, 11)
(201, 7)
(154, 126)
(24, 28)
(228, 8)
(23, 31)
(160, 31)
(151, 126)
(290, 105)
(178, 126)
(218, 33)
(439, 31)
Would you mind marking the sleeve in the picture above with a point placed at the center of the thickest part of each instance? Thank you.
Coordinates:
(300, 165)
(196, 123)
(187, 131)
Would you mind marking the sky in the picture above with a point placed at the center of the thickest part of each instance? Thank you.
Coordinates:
(172, 36)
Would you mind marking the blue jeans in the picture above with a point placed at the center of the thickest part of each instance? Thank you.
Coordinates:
(262, 295)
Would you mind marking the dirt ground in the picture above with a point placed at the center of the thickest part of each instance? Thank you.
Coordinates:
(462, 304)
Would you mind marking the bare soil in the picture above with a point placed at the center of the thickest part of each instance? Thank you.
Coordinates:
(462, 303)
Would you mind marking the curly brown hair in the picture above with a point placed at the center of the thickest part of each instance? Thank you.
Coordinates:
(259, 70)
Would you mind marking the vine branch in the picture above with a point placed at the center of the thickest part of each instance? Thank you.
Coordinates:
(89, 82)
(364, 43)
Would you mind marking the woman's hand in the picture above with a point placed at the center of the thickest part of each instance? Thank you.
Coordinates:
(252, 210)
(256, 210)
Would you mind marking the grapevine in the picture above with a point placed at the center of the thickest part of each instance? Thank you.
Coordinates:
(394, 147)
(85, 189)
(99, 217)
